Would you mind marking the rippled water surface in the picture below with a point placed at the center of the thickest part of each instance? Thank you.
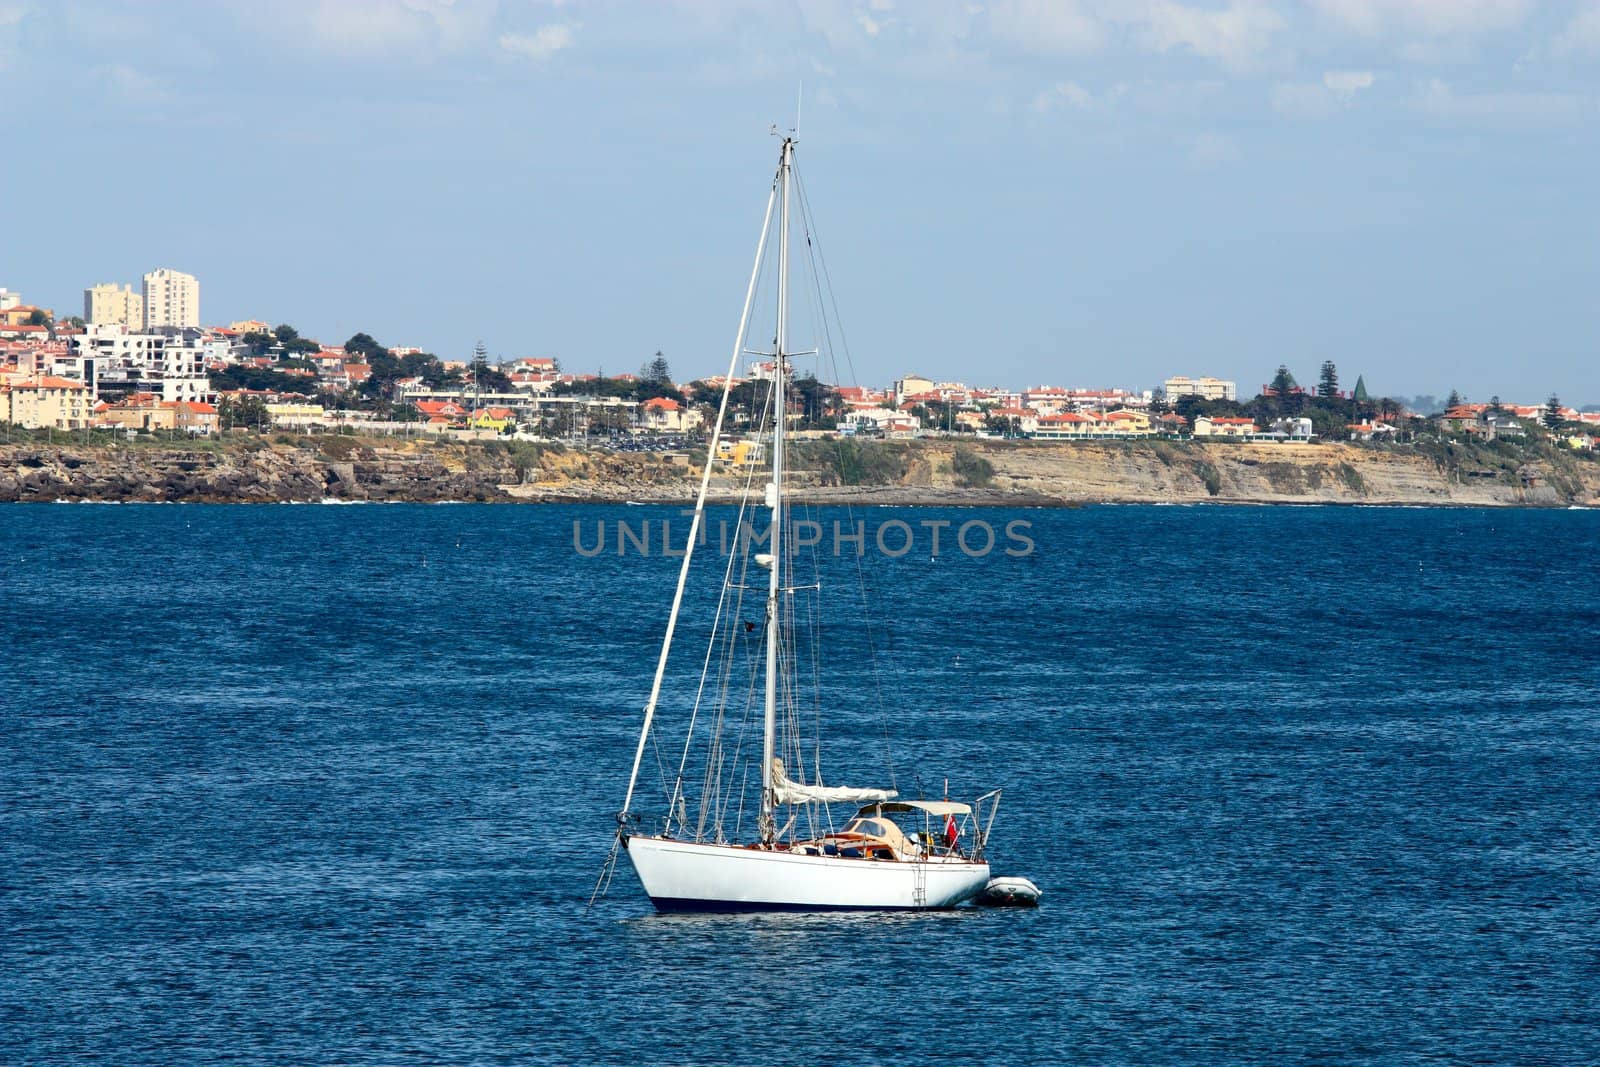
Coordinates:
(323, 784)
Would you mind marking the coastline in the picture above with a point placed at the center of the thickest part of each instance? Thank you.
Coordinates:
(928, 472)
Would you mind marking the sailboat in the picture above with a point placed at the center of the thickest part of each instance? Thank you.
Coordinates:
(889, 853)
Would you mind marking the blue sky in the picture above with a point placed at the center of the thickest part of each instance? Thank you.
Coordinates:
(1078, 192)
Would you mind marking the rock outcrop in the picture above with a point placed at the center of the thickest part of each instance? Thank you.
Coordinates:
(926, 471)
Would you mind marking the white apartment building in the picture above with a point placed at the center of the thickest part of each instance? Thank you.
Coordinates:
(171, 298)
(1204, 388)
(115, 344)
(9, 298)
(110, 305)
(171, 364)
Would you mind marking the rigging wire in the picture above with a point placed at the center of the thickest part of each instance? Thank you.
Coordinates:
(731, 645)
(736, 640)
(822, 279)
(677, 789)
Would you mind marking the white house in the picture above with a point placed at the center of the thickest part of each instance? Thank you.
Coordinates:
(879, 420)
(1223, 426)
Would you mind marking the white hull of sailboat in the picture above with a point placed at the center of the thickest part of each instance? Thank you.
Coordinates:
(692, 876)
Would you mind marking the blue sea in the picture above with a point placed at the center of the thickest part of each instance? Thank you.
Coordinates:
(333, 785)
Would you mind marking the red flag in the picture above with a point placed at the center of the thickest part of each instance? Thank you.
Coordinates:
(951, 834)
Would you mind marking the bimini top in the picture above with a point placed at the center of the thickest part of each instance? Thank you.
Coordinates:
(932, 807)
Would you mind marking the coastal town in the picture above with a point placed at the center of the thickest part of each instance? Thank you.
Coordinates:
(139, 362)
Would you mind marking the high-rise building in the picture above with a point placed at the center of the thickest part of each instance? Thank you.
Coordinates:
(171, 298)
(108, 305)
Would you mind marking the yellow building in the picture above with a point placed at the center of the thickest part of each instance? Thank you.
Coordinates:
(20, 314)
(1124, 423)
(1084, 424)
(1204, 388)
(496, 419)
(106, 304)
(294, 414)
(141, 411)
(41, 402)
(1068, 424)
(250, 326)
(740, 453)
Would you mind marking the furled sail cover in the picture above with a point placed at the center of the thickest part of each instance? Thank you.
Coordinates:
(785, 791)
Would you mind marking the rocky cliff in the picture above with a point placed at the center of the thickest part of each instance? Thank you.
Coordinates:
(1160, 471)
(931, 471)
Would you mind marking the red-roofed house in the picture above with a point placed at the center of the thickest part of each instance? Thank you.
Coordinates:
(1367, 431)
(21, 313)
(141, 411)
(1124, 423)
(23, 332)
(496, 419)
(1461, 417)
(440, 412)
(194, 418)
(1067, 424)
(860, 397)
(1480, 420)
(665, 415)
(541, 368)
(533, 381)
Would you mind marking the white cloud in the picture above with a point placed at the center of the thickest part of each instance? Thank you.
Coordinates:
(132, 86)
(541, 44)
(1347, 82)
(1437, 99)
(1236, 36)
(1433, 18)
(1582, 35)
(1051, 27)
(11, 16)
(1303, 100)
(843, 24)
(1208, 150)
(1439, 51)
(1312, 100)
(1186, 100)
(374, 28)
(1063, 95)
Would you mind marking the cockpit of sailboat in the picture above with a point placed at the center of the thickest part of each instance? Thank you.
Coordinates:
(871, 834)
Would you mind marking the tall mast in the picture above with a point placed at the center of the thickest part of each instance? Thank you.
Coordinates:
(775, 499)
(699, 515)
